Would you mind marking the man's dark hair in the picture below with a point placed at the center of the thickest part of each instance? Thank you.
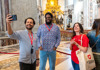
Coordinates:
(29, 18)
(48, 13)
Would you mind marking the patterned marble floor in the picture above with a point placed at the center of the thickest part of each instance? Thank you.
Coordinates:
(63, 58)
(63, 61)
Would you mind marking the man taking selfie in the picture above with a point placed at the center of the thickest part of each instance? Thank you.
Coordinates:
(27, 43)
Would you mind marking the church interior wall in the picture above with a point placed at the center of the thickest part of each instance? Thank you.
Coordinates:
(23, 9)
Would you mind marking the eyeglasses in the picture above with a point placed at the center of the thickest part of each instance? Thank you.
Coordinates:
(32, 50)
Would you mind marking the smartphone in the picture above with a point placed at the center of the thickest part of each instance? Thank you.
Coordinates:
(14, 17)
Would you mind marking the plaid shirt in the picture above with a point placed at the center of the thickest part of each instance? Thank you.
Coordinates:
(49, 39)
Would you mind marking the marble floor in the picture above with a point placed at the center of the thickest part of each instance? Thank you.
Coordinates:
(63, 59)
(63, 62)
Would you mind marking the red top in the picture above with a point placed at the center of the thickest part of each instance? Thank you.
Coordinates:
(85, 42)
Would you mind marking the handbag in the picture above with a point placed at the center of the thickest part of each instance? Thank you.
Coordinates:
(86, 60)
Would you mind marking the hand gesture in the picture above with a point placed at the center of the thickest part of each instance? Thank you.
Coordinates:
(8, 19)
(40, 48)
(72, 42)
(54, 48)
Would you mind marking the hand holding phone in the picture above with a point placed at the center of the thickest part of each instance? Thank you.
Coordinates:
(14, 17)
(11, 18)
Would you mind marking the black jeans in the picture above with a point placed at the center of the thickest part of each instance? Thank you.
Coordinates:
(97, 61)
(24, 66)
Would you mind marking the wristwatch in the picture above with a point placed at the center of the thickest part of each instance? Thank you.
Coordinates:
(37, 59)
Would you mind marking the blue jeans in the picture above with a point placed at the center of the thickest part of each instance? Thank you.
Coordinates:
(43, 59)
(75, 66)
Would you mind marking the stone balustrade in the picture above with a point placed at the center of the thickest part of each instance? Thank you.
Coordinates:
(67, 34)
(4, 41)
(9, 61)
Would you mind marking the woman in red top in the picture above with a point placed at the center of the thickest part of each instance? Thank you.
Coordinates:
(75, 44)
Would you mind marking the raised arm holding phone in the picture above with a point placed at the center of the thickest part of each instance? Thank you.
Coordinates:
(27, 42)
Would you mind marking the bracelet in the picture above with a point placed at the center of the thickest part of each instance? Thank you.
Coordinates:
(37, 59)
(77, 45)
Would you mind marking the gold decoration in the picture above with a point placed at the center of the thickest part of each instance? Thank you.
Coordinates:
(53, 7)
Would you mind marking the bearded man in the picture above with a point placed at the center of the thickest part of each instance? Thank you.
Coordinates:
(48, 40)
(27, 43)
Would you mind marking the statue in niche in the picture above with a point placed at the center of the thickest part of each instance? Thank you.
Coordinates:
(61, 20)
(54, 16)
(57, 20)
(69, 20)
(82, 18)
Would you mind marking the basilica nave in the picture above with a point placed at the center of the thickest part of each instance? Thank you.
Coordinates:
(65, 14)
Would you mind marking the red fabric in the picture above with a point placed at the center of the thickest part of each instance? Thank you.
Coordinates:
(31, 39)
(85, 42)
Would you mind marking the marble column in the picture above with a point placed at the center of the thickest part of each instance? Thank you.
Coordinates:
(86, 14)
(89, 13)
(0, 15)
(98, 11)
(4, 9)
(74, 13)
(65, 22)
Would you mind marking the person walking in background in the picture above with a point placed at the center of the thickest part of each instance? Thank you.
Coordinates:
(75, 44)
(49, 34)
(27, 43)
(94, 41)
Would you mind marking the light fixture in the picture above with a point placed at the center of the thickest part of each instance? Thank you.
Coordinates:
(52, 2)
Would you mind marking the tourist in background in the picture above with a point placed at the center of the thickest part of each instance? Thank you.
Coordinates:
(75, 44)
(94, 41)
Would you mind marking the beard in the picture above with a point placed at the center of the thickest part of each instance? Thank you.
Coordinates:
(48, 23)
(29, 28)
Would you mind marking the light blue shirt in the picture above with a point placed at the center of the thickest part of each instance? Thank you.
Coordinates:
(25, 46)
(93, 39)
(49, 39)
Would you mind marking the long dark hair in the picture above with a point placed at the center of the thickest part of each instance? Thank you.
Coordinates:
(96, 26)
(81, 29)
